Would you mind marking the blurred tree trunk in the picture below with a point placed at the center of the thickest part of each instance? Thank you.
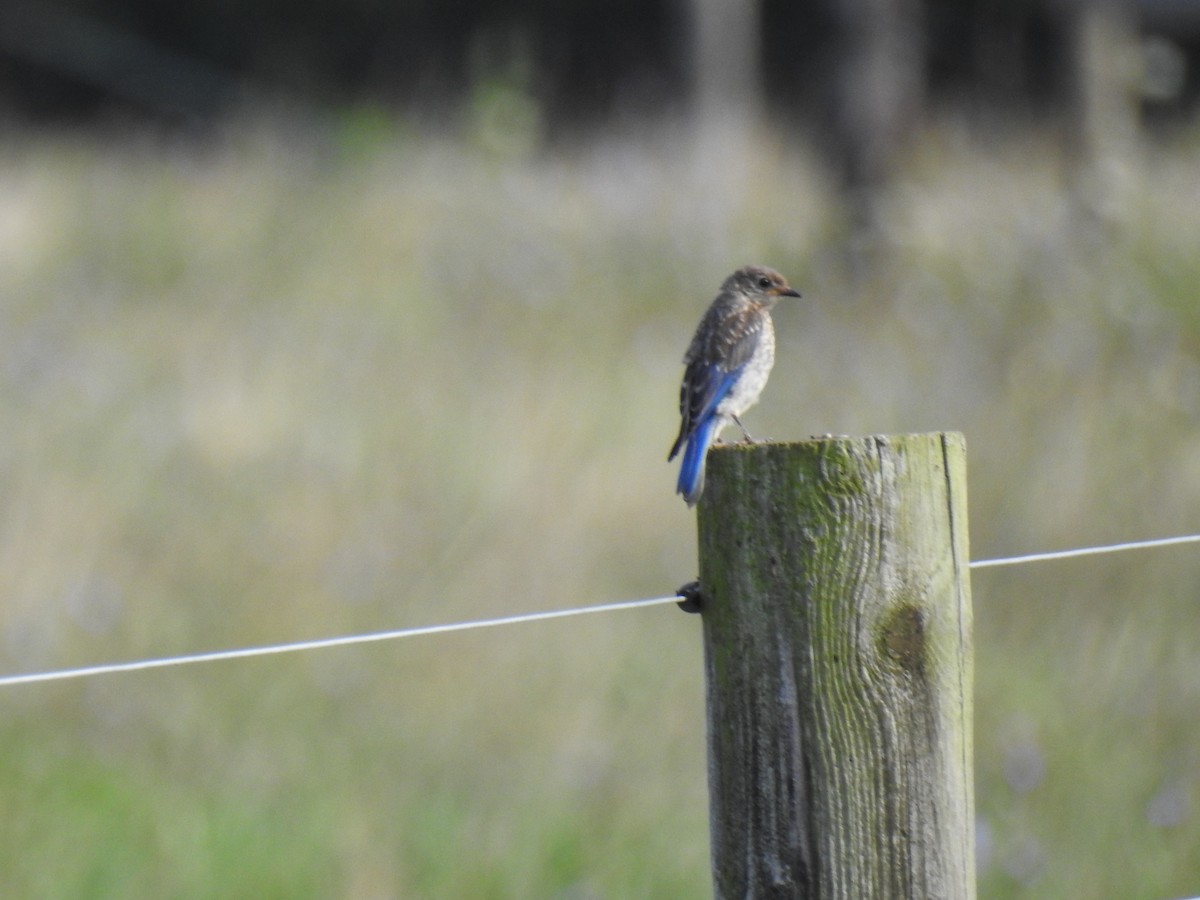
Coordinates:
(726, 46)
(1102, 118)
(876, 91)
(726, 88)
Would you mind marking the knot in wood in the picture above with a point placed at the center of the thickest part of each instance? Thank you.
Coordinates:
(904, 638)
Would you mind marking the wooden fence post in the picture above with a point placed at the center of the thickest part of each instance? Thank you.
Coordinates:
(837, 641)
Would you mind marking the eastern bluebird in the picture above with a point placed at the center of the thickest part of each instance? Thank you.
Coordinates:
(727, 362)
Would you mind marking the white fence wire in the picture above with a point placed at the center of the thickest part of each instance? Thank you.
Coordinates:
(521, 618)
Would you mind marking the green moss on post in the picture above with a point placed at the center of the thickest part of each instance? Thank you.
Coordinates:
(837, 636)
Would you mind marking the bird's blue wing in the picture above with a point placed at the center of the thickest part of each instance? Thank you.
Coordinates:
(704, 387)
(724, 342)
(718, 355)
(720, 390)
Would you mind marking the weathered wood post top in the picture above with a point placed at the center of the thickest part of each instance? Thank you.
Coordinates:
(837, 636)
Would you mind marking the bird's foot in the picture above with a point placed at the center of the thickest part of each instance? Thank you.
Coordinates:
(747, 438)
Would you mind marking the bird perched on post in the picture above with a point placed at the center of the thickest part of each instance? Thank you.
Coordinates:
(727, 363)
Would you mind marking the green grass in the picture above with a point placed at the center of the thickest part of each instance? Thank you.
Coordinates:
(283, 385)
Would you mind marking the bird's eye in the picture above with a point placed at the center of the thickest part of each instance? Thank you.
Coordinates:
(764, 282)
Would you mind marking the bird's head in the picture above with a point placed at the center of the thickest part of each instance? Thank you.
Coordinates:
(760, 283)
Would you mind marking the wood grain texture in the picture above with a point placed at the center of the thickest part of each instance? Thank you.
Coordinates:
(838, 657)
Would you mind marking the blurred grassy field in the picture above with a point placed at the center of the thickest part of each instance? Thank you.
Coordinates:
(278, 385)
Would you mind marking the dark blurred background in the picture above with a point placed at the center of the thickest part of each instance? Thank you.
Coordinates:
(860, 73)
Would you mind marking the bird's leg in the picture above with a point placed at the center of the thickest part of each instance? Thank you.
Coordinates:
(749, 439)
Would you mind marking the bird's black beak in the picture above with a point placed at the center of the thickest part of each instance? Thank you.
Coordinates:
(790, 292)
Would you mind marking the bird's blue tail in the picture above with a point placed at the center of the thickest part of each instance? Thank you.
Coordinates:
(691, 471)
